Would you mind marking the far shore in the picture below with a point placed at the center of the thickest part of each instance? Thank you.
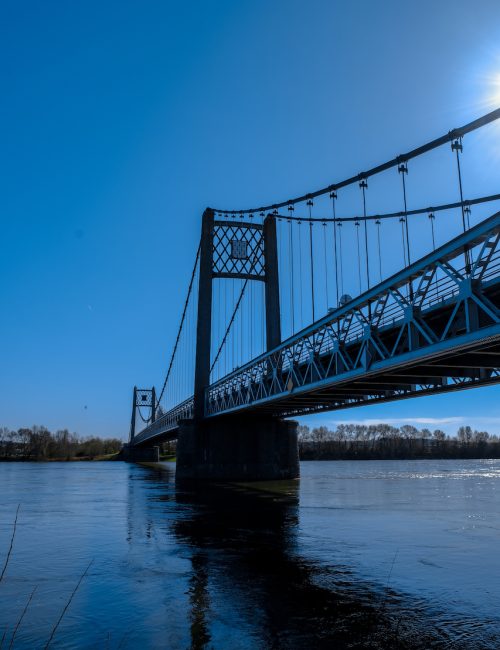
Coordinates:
(70, 459)
(73, 459)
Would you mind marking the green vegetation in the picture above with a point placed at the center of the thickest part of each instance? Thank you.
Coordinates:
(346, 441)
(168, 458)
(38, 443)
(168, 451)
(382, 441)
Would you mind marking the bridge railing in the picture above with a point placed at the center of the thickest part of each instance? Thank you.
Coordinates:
(454, 274)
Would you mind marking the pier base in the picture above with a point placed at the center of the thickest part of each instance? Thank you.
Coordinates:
(132, 454)
(237, 449)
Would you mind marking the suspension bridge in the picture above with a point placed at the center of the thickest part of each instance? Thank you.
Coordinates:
(350, 295)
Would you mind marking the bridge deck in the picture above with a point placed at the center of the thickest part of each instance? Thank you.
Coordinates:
(433, 327)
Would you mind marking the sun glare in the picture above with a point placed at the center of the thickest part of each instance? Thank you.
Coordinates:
(488, 99)
(483, 88)
(495, 91)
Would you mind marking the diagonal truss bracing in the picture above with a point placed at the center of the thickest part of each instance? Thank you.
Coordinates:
(432, 327)
(410, 334)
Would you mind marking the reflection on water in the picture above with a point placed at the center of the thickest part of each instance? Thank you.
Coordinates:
(288, 565)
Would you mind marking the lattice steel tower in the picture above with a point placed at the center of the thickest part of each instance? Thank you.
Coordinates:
(242, 250)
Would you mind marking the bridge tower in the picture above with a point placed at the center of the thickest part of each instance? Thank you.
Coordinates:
(237, 447)
(234, 250)
(142, 398)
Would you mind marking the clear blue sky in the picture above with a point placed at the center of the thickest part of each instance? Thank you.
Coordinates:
(120, 121)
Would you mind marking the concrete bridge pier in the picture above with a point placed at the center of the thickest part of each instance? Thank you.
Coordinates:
(131, 454)
(238, 448)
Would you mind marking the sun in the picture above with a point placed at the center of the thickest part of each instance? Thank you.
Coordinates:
(495, 90)
(490, 96)
(484, 88)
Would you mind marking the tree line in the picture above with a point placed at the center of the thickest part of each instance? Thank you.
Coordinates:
(346, 441)
(38, 443)
(383, 441)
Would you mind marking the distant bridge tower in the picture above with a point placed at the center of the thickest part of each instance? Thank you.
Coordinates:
(142, 398)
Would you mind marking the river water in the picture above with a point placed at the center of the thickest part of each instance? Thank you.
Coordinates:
(367, 554)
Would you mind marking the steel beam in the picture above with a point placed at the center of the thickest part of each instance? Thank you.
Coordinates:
(272, 289)
(204, 324)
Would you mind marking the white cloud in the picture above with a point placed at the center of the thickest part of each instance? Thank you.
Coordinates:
(448, 424)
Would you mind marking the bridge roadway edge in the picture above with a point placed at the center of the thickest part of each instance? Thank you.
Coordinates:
(237, 448)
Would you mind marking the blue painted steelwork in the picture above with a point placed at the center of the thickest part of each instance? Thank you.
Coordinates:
(166, 425)
(434, 326)
(426, 314)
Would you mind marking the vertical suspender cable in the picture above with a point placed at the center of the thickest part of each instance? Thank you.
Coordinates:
(403, 169)
(377, 223)
(467, 211)
(300, 275)
(226, 289)
(219, 327)
(363, 185)
(356, 223)
(291, 271)
(242, 324)
(326, 269)
(431, 219)
(341, 263)
(310, 203)
(402, 222)
(333, 196)
(250, 355)
(251, 320)
(457, 146)
(281, 261)
(262, 307)
(232, 363)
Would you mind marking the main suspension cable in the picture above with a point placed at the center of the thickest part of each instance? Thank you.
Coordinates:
(409, 213)
(414, 153)
(191, 282)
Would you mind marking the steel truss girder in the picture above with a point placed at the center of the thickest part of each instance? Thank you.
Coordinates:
(434, 307)
(430, 328)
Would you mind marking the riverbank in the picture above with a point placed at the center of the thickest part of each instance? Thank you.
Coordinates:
(27, 459)
(398, 449)
(38, 443)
